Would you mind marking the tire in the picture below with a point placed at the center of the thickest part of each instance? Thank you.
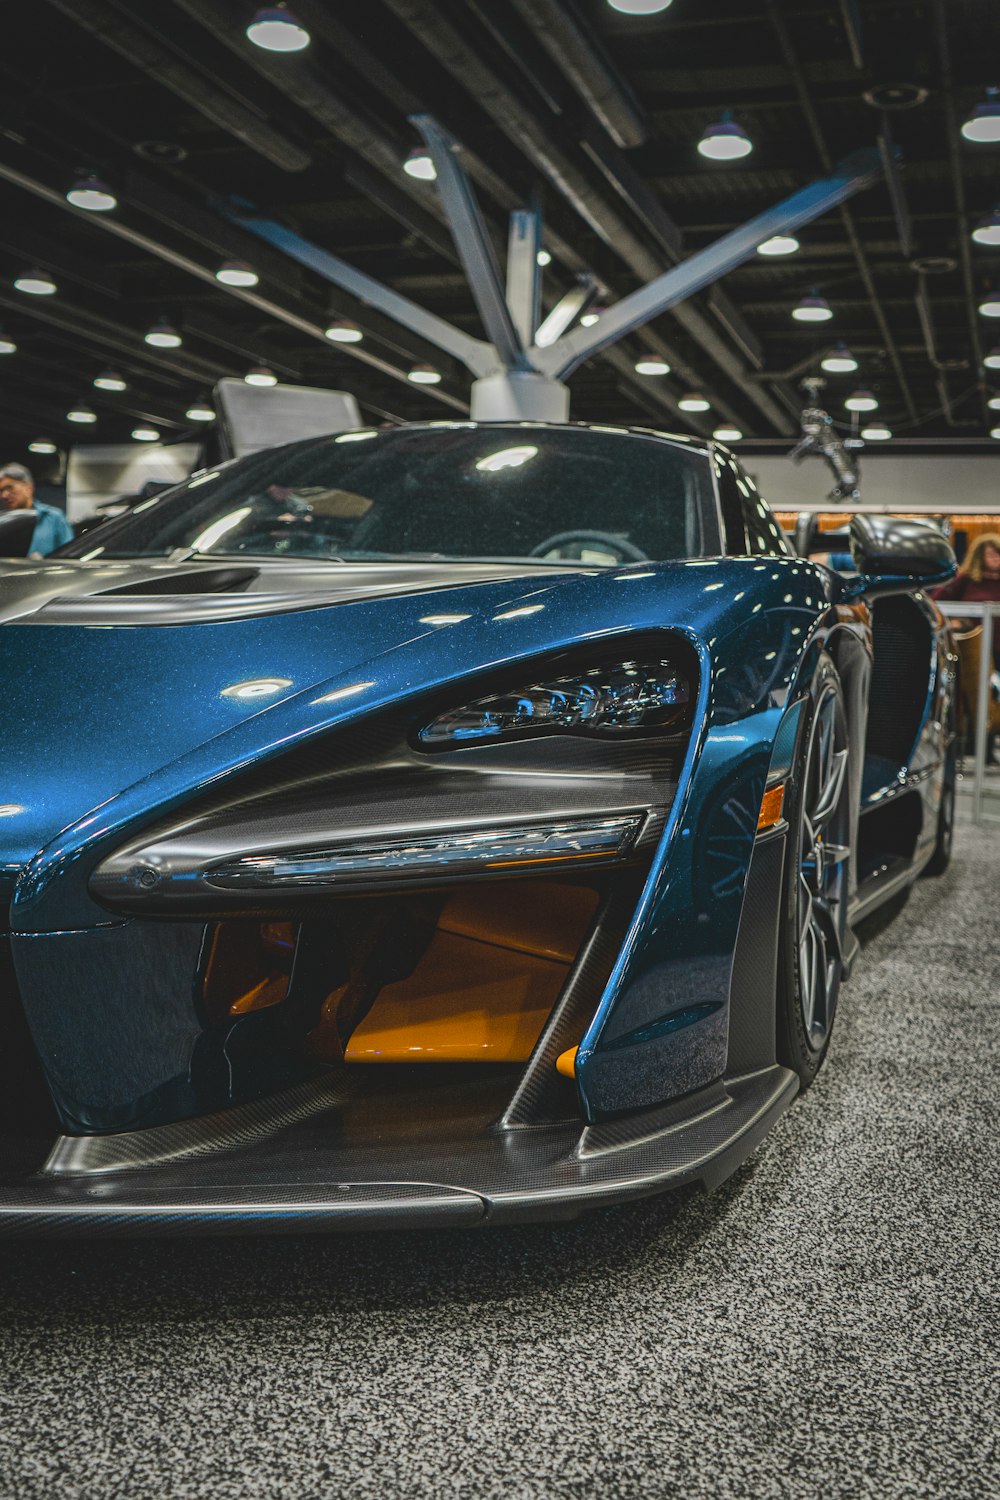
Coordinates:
(941, 858)
(814, 906)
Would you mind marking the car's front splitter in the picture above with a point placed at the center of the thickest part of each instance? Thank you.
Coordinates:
(301, 1177)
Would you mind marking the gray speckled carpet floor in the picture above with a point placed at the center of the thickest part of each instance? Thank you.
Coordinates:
(826, 1325)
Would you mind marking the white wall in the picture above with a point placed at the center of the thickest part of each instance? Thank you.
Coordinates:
(903, 481)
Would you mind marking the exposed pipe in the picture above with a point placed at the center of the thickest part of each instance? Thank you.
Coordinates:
(958, 181)
(590, 73)
(847, 218)
(112, 224)
(520, 126)
(140, 49)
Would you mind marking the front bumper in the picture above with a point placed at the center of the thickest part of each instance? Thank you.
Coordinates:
(285, 1165)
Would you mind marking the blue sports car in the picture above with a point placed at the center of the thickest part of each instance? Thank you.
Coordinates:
(455, 824)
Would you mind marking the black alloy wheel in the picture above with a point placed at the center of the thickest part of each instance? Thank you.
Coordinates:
(811, 957)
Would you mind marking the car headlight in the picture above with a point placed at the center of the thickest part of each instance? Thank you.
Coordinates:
(623, 698)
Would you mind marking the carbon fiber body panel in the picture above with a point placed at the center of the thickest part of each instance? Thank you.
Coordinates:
(306, 1177)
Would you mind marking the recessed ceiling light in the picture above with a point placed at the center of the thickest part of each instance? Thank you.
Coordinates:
(343, 331)
(145, 434)
(727, 434)
(812, 309)
(424, 375)
(260, 375)
(275, 29)
(419, 164)
(110, 380)
(81, 414)
(877, 433)
(544, 258)
(200, 411)
(983, 125)
(651, 364)
(995, 432)
(42, 445)
(36, 283)
(92, 194)
(590, 318)
(990, 305)
(779, 244)
(694, 402)
(994, 403)
(163, 335)
(237, 273)
(861, 401)
(7, 345)
(724, 140)
(992, 360)
(839, 361)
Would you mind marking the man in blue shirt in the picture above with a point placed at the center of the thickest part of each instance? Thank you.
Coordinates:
(17, 492)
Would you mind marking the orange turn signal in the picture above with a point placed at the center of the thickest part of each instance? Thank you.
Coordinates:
(566, 1063)
(770, 807)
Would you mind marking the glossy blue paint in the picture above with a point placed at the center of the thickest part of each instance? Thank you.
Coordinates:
(150, 718)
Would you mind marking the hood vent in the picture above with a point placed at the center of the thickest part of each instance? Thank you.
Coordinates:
(198, 581)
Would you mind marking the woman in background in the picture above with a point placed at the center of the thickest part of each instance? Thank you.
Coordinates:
(978, 582)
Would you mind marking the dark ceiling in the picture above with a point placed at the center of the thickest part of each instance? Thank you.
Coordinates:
(171, 105)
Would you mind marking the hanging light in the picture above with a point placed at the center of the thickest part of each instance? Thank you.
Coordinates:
(983, 125)
(7, 345)
(260, 375)
(544, 258)
(877, 433)
(779, 244)
(110, 380)
(42, 445)
(163, 335)
(36, 283)
(145, 434)
(91, 193)
(640, 7)
(82, 414)
(725, 140)
(987, 231)
(861, 401)
(343, 331)
(424, 375)
(200, 411)
(839, 361)
(992, 360)
(275, 29)
(694, 402)
(990, 305)
(236, 273)
(419, 164)
(812, 309)
(651, 364)
(727, 434)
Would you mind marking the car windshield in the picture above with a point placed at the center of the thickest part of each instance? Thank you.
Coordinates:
(449, 492)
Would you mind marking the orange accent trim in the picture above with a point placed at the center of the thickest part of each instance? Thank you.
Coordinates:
(566, 1063)
(770, 807)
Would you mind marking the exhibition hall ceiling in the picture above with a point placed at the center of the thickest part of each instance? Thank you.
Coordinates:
(591, 114)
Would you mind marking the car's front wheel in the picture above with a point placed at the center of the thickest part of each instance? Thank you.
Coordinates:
(814, 917)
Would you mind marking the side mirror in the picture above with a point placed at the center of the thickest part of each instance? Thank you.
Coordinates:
(17, 527)
(893, 555)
